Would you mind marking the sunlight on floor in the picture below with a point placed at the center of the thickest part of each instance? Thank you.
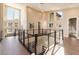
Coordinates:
(60, 51)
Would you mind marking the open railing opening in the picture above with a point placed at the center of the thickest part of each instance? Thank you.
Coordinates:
(40, 41)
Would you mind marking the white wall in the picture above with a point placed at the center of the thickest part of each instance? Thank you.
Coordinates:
(23, 13)
(35, 16)
(70, 13)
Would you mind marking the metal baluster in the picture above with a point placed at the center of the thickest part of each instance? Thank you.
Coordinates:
(55, 37)
(42, 31)
(28, 39)
(59, 36)
(33, 31)
(48, 41)
(54, 42)
(23, 37)
(35, 44)
(62, 35)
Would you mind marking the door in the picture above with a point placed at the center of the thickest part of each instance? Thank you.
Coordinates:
(72, 26)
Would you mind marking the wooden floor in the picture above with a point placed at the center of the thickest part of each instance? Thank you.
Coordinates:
(71, 46)
(11, 46)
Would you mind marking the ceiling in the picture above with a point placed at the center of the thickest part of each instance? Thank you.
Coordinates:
(52, 6)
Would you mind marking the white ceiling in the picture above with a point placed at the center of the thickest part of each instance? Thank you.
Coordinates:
(52, 6)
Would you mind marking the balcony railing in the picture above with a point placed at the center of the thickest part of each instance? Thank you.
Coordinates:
(40, 41)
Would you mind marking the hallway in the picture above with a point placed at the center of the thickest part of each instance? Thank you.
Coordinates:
(11, 46)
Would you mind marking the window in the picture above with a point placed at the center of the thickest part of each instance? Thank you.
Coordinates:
(13, 18)
(16, 18)
(16, 14)
(10, 12)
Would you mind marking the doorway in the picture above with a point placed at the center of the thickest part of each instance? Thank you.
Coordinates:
(72, 26)
(12, 20)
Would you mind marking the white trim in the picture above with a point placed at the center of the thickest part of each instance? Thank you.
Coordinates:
(76, 24)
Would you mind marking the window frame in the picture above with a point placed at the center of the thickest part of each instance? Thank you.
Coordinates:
(14, 12)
